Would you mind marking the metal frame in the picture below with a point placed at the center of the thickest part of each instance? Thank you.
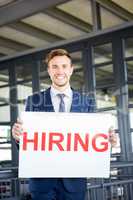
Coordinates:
(13, 116)
(22, 9)
(75, 44)
(36, 76)
(96, 15)
(116, 9)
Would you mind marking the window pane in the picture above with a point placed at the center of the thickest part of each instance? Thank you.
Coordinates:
(129, 47)
(105, 98)
(24, 72)
(21, 108)
(104, 75)
(130, 71)
(5, 145)
(132, 140)
(131, 117)
(102, 53)
(130, 92)
(4, 77)
(4, 95)
(4, 113)
(77, 79)
(24, 90)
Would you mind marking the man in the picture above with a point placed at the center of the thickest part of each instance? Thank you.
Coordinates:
(58, 98)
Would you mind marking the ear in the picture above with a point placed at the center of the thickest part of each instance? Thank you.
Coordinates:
(72, 68)
(48, 71)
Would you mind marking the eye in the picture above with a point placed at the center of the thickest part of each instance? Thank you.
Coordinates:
(64, 66)
(54, 66)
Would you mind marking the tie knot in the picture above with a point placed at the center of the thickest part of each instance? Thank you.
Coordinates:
(61, 96)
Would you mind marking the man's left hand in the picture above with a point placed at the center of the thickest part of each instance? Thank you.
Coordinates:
(112, 137)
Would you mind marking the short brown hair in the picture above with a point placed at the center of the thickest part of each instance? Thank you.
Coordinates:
(56, 52)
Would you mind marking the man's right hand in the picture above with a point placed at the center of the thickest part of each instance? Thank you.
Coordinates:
(17, 129)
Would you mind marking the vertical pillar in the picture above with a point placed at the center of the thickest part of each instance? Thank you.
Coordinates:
(120, 73)
(89, 72)
(13, 118)
(36, 76)
(13, 109)
(96, 15)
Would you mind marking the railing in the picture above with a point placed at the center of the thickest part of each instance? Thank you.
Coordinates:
(113, 190)
(118, 187)
(11, 187)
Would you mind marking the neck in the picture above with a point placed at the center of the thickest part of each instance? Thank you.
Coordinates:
(61, 88)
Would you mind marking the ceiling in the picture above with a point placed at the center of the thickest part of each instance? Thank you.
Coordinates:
(28, 24)
(59, 22)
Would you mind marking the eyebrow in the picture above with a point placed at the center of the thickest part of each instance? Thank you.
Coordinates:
(57, 65)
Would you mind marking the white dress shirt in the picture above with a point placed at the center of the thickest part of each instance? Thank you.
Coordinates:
(56, 99)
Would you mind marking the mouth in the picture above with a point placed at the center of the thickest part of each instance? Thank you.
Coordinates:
(60, 77)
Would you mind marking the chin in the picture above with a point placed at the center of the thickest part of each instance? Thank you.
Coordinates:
(61, 84)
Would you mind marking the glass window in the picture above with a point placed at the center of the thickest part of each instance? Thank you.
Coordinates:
(77, 79)
(132, 140)
(5, 145)
(130, 92)
(130, 71)
(24, 72)
(4, 77)
(131, 124)
(102, 53)
(21, 108)
(129, 47)
(24, 90)
(104, 75)
(105, 98)
(5, 113)
(131, 117)
(4, 95)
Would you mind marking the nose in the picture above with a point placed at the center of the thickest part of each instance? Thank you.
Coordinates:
(60, 70)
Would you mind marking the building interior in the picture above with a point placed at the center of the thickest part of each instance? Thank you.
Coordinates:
(99, 36)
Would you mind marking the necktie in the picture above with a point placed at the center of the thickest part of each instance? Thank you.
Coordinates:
(62, 104)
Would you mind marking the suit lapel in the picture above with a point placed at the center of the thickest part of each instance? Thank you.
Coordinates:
(76, 102)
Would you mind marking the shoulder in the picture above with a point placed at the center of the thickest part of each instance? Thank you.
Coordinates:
(85, 100)
(36, 99)
(38, 95)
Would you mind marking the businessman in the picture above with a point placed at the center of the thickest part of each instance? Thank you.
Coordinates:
(60, 97)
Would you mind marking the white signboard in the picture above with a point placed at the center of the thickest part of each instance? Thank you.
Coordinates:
(65, 145)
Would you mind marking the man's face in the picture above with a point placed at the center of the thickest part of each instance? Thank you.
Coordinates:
(60, 70)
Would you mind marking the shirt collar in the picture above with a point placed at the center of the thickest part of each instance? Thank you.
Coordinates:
(67, 92)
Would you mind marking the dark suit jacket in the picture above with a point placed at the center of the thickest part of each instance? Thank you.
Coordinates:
(42, 102)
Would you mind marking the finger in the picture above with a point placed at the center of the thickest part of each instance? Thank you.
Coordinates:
(111, 129)
(19, 121)
(18, 126)
(17, 131)
(16, 136)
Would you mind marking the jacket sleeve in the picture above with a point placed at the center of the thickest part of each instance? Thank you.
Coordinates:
(29, 104)
(28, 107)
